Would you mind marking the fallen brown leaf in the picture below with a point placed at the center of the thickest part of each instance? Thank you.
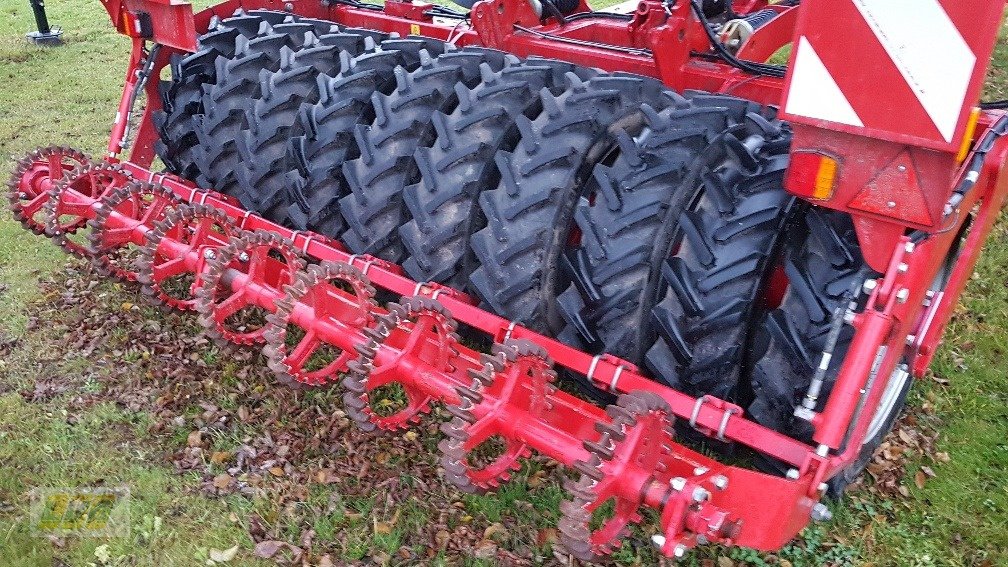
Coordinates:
(222, 481)
(267, 549)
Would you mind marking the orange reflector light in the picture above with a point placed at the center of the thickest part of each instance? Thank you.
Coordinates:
(812, 175)
(967, 142)
(128, 25)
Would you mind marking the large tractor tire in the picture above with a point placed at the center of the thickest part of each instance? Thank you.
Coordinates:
(263, 147)
(182, 95)
(374, 209)
(725, 248)
(324, 134)
(229, 104)
(825, 272)
(529, 214)
(461, 164)
(627, 229)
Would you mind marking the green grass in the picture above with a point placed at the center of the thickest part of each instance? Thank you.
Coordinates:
(69, 95)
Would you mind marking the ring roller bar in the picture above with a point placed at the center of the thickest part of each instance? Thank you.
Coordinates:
(601, 369)
(572, 432)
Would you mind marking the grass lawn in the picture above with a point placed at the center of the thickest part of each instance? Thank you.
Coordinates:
(97, 390)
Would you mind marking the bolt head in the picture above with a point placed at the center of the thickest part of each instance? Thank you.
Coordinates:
(793, 474)
(720, 482)
(820, 513)
(700, 470)
(910, 247)
(903, 268)
(911, 339)
(680, 551)
(701, 494)
(901, 168)
(678, 483)
(902, 295)
(891, 204)
(823, 487)
(209, 254)
(870, 285)
(658, 540)
(243, 257)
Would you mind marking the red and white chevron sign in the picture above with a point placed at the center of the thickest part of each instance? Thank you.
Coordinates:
(903, 70)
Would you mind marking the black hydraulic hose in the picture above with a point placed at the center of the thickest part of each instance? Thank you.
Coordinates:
(607, 15)
(994, 105)
(442, 12)
(762, 69)
(355, 4)
(983, 147)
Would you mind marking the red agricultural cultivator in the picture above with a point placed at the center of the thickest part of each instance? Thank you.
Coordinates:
(527, 210)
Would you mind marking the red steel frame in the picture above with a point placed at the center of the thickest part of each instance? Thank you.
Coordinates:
(772, 509)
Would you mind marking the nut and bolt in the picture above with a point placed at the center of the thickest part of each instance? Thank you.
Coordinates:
(903, 295)
(701, 494)
(209, 254)
(720, 482)
(820, 513)
(903, 268)
(870, 285)
(243, 257)
(659, 542)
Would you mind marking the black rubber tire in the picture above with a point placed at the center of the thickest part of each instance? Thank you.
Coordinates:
(182, 96)
(529, 213)
(825, 268)
(262, 173)
(726, 245)
(324, 134)
(227, 103)
(627, 229)
(374, 209)
(460, 164)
